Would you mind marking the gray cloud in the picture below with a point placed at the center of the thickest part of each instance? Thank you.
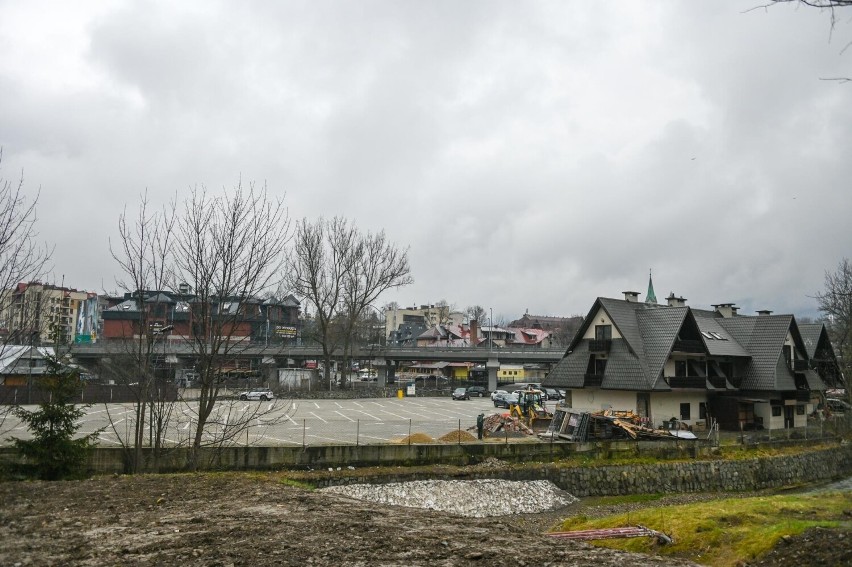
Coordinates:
(530, 155)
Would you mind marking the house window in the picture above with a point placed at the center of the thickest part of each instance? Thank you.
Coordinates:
(702, 410)
(603, 332)
(684, 411)
(776, 411)
(800, 410)
(680, 368)
(788, 355)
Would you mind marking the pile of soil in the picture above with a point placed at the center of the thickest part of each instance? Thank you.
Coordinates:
(248, 519)
(457, 437)
(816, 546)
(414, 438)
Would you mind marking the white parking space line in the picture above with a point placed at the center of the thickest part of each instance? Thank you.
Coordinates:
(318, 417)
(370, 415)
(395, 415)
(344, 416)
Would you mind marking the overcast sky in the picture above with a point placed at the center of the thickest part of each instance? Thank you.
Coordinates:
(530, 155)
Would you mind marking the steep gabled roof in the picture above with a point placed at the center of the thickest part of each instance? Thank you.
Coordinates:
(763, 337)
(659, 328)
(636, 360)
(727, 345)
(571, 370)
(817, 342)
(528, 336)
(625, 370)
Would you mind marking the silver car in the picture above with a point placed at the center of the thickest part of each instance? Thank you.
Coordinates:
(262, 395)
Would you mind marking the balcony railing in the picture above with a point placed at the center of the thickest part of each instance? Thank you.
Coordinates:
(687, 382)
(718, 382)
(593, 380)
(600, 345)
(688, 346)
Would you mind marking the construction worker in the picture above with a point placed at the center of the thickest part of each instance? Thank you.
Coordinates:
(480, 425)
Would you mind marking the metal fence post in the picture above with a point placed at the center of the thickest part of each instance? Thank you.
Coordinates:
(357, 432)
(409, 432)
(304, 431)
(459, 433)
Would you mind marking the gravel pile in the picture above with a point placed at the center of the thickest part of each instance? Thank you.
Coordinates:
(469, 498)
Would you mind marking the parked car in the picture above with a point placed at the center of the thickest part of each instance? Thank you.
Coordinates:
(551, 393)
(460, 394)
(262, 395)
(496, 393)
(836, 406)
(505, 400)
(478, 391)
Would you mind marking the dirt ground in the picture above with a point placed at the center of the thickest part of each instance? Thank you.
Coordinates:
(242, 519)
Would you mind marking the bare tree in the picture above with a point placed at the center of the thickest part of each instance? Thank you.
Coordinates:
(143, 253)
(835, 301)
(443, 311)
(824, 5)
(22, 259)
(340, 271)
(476, 312)
(230, 249)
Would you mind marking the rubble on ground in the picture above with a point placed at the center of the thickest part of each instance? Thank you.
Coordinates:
(501, 424)
(583, 426)
(469, 498)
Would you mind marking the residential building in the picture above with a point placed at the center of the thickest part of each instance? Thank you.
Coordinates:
(398, 320)
(694, 365)
(561, 329)
(474, 335)
(178, 316)
(37, 313)
(22, 364)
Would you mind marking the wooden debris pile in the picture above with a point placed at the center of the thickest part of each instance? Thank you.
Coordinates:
(498, 423)
(609, 424)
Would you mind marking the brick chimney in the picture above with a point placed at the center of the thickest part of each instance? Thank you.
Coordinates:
(631, 296)
(764, 312)
(474, 332)
(676, 301)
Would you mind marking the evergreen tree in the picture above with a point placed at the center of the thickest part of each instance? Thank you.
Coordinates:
(53, 453)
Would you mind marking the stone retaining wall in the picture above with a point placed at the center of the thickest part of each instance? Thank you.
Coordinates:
(610, 480)
(694, 472)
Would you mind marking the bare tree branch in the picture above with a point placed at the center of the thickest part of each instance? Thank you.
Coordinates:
(340, 271)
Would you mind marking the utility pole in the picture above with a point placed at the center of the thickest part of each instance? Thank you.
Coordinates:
(491, 329)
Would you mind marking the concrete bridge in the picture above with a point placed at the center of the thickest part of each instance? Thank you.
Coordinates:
(386, 358)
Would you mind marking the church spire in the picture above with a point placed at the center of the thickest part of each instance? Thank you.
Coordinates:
(651, 297)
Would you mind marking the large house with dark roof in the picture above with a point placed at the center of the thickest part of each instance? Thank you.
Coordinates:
(182, 315)
(674, 361)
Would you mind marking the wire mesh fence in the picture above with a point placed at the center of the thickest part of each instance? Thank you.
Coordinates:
(118, 428)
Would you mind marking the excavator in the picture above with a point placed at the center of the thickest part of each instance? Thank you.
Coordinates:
(530, 410)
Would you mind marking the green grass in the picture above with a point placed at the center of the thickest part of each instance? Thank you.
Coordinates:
(296, 483)
(722, 533)
(626, 499)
